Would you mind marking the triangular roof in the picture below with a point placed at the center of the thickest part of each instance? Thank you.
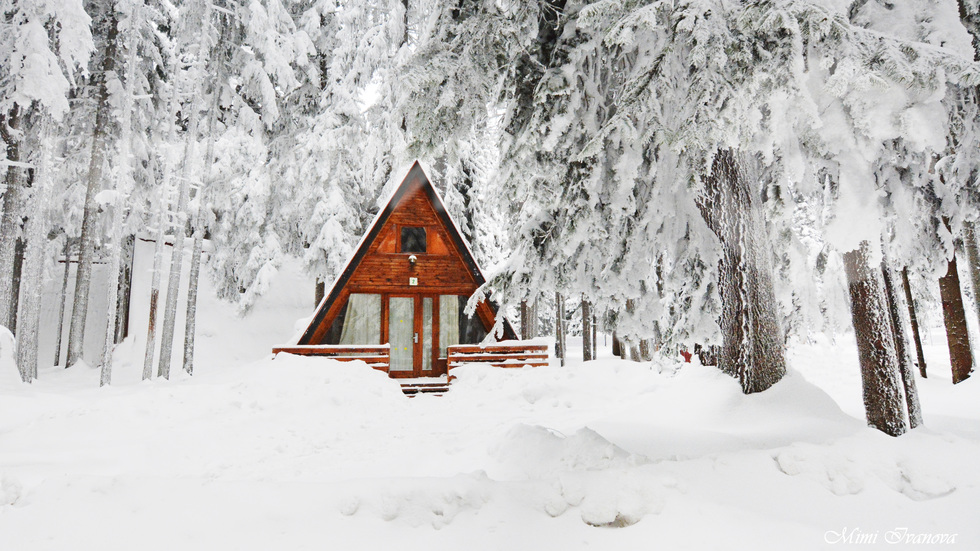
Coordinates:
(415, 180)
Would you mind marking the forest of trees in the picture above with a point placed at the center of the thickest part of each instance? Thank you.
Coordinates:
(725, 173)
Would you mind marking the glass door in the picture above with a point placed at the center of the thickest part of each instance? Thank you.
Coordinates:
(401, 333)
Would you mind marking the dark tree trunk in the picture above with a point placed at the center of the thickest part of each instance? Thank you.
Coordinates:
(876, 347)
(19, 248)
(973, 260)
(954, 316)
(594, 347)
(319, 292)
(560, 349)
(14, 177)
(753, 347)
(617, 345)
(915, 322)
(588, 336)
(528, 320)
(64, 299)
(902, 348)
(125, 284)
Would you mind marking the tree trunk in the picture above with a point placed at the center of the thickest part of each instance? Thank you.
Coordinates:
(18, 278)
(876, 347)
(525, 320)
(176, 261)
(914, 322)
(125, 284)
(973, 260)
(902, 348)
(319, 292)
(97, 162)
(10, 131)
(64, 299)
(123, 188)
(588, 344)
(954, 316)
(28, 326)
(159, 246)
(560, 328)
(617, 345)
(594, 347)
(753, 347)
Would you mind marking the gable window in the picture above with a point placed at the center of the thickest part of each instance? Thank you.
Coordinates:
(413, 240)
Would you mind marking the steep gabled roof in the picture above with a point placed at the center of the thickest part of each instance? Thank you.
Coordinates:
(414, 180)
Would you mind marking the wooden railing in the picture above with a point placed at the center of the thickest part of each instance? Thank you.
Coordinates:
(499, 355)
(377, 356)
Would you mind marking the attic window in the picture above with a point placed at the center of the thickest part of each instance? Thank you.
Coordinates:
(413, 240)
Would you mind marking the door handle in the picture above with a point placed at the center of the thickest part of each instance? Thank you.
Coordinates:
(416, 338)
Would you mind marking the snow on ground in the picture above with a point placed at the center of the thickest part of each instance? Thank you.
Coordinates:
(299, 453)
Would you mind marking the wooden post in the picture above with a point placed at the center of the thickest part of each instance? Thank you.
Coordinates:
(876, 348)
(915, 322)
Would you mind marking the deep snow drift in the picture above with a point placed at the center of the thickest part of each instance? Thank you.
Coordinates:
(298, 453)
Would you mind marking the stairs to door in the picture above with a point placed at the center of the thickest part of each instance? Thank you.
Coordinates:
(436, 386)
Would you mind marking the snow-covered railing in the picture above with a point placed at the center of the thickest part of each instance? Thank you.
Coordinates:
(499, 355)
(377, 356)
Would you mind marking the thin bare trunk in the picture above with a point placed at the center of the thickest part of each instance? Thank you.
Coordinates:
(176, 261)
(902, 351)
(64, 299)
(86, 243)
(30, 295)
(192, 285)
(876, 347)
(318, 292)
(914, 322)
(560, 328)
(588, 353)
(163, 216)
(11, 133)
(123, 187)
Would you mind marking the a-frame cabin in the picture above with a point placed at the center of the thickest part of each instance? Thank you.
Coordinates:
(405, 286)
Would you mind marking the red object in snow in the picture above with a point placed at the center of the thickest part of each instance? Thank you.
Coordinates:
(687, 356)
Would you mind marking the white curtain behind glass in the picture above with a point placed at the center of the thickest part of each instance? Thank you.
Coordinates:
(448, 322)
(363, 322)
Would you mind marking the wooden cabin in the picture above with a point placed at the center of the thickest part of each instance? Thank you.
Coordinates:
(399, 303)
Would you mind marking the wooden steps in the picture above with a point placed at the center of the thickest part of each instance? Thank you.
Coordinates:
(437, 386)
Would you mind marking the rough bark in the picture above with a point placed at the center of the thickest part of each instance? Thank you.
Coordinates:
(125, 285)
(526, 320)
(876, 347)
(28, 326)
(97, 162)
(617, 345)
(914, 322)
(954, 317)
(753, 347)
(588, 344)
(64, 299)
(560, 328)
(10, 131)
(902, 351)
(319, 292)
(973, 260)
(19, 249)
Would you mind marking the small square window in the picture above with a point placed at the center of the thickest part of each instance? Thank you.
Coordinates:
(413, 240)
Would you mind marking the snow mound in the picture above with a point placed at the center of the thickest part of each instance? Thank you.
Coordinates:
(919, 465)
(529, 452)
